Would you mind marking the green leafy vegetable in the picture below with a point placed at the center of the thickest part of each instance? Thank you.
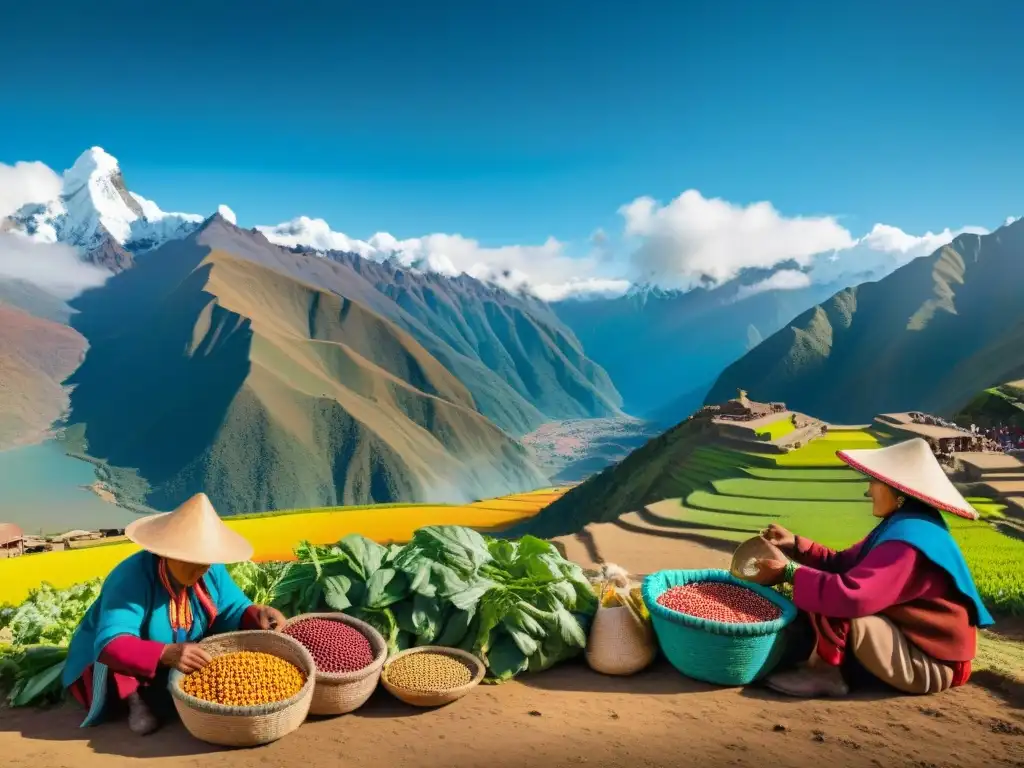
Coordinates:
(517, 604)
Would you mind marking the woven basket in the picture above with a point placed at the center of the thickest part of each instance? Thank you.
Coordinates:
(342, 692)
(751, 550)
(435, 698)
(620, 642)
(247, 726)
(713, 651)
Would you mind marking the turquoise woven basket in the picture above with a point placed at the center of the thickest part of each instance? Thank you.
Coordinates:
(713, 651)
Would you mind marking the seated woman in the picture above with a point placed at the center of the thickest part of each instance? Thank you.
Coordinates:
(902, 601)
(155, 607)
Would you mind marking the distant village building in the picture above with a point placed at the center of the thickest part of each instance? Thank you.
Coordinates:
(12, 540)
(945, 438)
(740, 408)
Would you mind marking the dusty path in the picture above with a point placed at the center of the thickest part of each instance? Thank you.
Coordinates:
(572, 716)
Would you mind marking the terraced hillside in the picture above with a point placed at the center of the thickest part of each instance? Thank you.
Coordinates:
(267, 392)
(928, 337)
(684, 487)
(996, 407)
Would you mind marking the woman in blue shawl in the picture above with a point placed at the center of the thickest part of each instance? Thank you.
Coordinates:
(153, 610)
(901, 604)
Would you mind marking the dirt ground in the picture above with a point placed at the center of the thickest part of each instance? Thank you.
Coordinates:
(572, 716)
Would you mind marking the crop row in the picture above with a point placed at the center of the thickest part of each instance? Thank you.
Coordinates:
(274, 537)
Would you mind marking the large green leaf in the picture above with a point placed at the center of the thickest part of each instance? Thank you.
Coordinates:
(386, 586)
(472, 594)
(505, 659)
(38, 686)
(523, 640)
(456, 628)
(335, 589)
(426, 618)
(365, 556)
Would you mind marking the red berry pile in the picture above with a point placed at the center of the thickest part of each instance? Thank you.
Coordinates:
(335, 647)
(718, 601)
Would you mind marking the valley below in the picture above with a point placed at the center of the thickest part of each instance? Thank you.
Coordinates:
(572, 450)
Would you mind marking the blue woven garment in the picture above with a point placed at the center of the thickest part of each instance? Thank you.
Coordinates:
(134, 602)
(925, 530)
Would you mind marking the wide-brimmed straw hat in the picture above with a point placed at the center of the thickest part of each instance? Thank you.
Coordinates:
(911, 468)
(193, 533)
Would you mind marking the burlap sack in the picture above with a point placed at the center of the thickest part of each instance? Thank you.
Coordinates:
(621, 642)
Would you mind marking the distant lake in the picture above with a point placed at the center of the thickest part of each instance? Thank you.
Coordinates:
(40, 491)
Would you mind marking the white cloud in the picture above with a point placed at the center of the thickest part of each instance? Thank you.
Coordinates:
(1010, 220)
(23, 183)
(905, 247)
(54, 267)
(694, 238)
(545, 270)
(227, 214)
(783, 280)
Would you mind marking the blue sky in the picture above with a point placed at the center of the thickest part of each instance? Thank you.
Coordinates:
(536, 119)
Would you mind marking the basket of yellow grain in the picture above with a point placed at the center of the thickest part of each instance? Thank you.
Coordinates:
(257, 688)
(431, 676)
(348, 653)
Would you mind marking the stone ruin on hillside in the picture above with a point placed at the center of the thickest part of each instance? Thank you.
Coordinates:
(740, 408)
(944, 446)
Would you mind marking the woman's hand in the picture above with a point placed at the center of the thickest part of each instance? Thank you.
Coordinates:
(780, 537)
(185, 657)
(771, 572)
(270, 618)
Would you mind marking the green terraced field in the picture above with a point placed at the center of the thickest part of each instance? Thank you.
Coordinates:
(776, 429)
(736, 500)
(987, 508)
(828, 475)
(730, 495)
(822, 452)
(749, 506)
(809, 490)
(836, 528)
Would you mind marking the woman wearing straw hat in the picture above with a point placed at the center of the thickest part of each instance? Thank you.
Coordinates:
(901, 602)
(155, 607)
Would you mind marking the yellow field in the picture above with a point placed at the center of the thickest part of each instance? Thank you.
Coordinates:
(273, 537)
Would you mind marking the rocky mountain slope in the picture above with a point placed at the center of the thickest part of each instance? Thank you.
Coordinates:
(518, 340)
(929, 336)
(999, 406)
(36, 355)
(520, 365)
(97, 213)
(239, 373)
(664, 349)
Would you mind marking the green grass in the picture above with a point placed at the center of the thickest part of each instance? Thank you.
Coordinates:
(822, 452)
(776, 429)
(809, 490)
(819, 475)
(987, 509)
(774, 507)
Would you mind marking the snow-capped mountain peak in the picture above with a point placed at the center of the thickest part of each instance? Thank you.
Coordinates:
(95, 204)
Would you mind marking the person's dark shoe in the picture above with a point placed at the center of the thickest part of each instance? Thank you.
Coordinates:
(141, 720)
(809, 682)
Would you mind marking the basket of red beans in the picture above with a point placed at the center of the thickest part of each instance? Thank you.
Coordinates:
(349, 655)
(714, 627)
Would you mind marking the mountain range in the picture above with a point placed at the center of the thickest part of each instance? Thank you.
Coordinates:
(664, 349)
(277, 374)
(209, 370)
(928, 337)
(36, 356)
